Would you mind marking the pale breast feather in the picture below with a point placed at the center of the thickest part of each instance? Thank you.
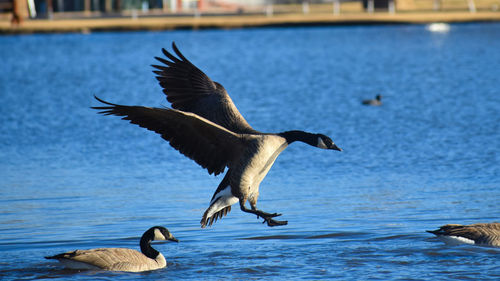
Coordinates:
(268, 149)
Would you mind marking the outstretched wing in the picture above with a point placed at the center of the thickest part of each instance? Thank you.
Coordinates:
(208, 144)
(189, 89)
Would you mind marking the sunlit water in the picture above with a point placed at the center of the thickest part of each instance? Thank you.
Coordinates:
(71, 179)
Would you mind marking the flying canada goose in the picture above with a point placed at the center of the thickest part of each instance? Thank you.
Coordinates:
(120, 259)
(375, 102)
(206, 126)
(486, 234)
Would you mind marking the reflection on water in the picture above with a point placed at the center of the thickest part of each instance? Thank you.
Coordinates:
(438, 27)
(428, 156)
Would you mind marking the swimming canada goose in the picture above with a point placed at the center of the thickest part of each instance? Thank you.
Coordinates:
(120, 259)
(486, 234)
(206, 126)
(375, 102)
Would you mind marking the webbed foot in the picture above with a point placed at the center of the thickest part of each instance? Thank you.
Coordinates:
(261, 214)
(271, 222)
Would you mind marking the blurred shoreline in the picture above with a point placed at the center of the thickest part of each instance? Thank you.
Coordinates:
(232, 20)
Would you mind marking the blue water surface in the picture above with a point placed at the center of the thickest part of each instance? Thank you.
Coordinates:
(71, 179)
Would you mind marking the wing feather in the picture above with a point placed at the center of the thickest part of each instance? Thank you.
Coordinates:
(211, 146)
(189, 89)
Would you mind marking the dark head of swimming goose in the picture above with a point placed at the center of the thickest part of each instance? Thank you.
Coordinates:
(157, 233)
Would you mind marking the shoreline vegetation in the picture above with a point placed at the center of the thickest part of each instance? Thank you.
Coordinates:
(348, 14)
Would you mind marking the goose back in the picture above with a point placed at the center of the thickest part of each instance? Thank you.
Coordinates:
(114, 259)
(479, 233)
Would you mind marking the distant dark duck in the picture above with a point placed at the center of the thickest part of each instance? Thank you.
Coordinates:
(207, 127)
(120, 259)
(375, 102)
(486, 234)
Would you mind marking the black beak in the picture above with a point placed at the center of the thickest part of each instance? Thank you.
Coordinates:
(335, 147)
(173, 239)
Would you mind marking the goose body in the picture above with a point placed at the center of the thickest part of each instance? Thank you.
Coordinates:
(244, 179)
(486, 234)
(373, 102)
(205, 125)
(120, 259)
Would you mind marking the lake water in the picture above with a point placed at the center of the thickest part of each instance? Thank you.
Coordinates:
(71, 179)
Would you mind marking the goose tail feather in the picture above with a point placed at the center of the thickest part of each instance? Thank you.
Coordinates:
(208, 220)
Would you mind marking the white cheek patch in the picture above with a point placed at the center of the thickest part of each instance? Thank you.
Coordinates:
(159, 235)
(321, 143)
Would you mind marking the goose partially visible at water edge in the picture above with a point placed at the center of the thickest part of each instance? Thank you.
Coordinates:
(120, 259)
(486, 234)
(206, 126)
(374, 102)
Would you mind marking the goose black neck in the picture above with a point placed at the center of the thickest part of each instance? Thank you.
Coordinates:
(302, 136)
(146, 248)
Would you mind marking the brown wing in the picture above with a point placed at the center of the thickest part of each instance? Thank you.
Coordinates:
(189, 89)
(109, 258)
(208, 144)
